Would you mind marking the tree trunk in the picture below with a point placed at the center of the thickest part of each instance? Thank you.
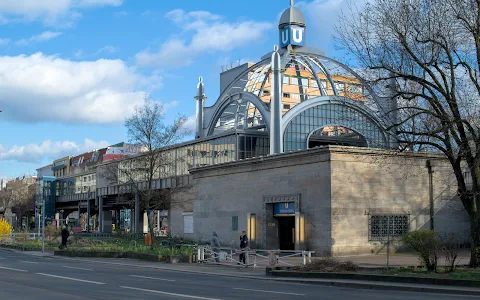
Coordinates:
(475, 241)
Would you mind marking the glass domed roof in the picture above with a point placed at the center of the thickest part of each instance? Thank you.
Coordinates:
(306, 76)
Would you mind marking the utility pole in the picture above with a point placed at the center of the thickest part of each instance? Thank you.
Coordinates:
(428, 165)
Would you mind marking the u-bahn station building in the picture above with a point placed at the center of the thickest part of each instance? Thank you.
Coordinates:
(297, 150)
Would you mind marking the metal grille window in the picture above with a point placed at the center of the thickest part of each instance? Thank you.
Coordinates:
(384, 226)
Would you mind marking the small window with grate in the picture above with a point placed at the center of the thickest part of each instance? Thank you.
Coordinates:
(384, 226)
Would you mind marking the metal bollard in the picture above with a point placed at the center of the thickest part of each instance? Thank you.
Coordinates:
(304, 258)
(247, 258)
(309, 257)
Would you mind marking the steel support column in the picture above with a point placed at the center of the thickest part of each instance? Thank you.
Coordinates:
(276, 139)
(137, 213)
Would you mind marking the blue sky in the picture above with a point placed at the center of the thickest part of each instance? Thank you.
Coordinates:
(72, 70)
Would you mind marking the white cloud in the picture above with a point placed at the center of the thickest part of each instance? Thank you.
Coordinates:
(209, 34)
(34, 153)
(107, 49)
(170, 105)
(40, 88)
(50, 12)
(42, 37)
(78, 53)
(190, 124)
(88, 3)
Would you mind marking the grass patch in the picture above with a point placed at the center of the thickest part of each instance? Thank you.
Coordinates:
(89, 245)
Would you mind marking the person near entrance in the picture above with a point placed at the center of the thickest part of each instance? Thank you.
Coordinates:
(243, 246)
(215, 243)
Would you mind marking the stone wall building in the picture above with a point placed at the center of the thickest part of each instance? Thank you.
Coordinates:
(344, 194)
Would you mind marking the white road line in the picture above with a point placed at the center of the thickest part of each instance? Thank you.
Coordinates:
(165, 293)
(2, 257)
(70, 278)
(28, 262)
(76, 268)
(155, 278)
(12, 269)
(273, 292)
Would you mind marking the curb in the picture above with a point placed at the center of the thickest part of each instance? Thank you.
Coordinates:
(385, 287)
(376, 278)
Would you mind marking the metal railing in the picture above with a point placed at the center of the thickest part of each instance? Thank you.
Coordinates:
(256, 258)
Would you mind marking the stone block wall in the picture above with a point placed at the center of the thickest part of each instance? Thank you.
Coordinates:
(368, 182)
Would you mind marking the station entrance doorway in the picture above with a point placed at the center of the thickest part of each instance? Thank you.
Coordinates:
(286, 232)
(280, 229)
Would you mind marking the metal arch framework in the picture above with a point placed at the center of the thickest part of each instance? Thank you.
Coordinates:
(244, 96)
(227, 92)
(335, 100)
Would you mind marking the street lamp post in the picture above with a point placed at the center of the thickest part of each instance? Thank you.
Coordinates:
(430, 188)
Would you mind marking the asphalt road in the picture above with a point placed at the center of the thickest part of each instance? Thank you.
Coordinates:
(28, 277)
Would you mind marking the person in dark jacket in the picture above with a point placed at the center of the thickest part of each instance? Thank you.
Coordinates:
(215, 243)
(65, 235)
(243, 246)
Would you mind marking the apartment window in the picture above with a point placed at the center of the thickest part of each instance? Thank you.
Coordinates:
(286, 95)
(296, 96)
(266, 93)
(286, 79)
(340, 86)
(304, 81)
(286, 106)
(355, 89)
(383, 226)
(324, 84)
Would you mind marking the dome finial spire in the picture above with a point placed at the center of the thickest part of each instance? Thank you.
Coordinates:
(292, 4)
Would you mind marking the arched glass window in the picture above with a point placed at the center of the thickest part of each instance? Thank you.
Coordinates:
(308, 122)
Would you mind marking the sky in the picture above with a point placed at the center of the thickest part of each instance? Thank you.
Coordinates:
(71, 71)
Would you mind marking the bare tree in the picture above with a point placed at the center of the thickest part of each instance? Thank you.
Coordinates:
(18, 197)
(430, 51)
(148, 130)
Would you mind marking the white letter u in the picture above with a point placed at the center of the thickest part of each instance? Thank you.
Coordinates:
(285, 37)
(297, 35)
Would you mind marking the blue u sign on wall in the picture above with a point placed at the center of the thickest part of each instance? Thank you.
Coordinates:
(292, 35)
(284, 209)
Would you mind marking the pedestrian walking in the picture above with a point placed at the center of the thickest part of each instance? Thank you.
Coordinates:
(65, 234)
(215, 243)
(243, 246)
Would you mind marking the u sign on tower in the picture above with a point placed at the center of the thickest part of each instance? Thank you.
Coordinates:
(292, 27)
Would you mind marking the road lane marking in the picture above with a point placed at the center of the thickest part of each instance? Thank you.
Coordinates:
(28, 262)
(165, 293)
(12, 269)
(155, 278)
(2, 257)
(76, 268)
(70, 278)
(273, 292)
